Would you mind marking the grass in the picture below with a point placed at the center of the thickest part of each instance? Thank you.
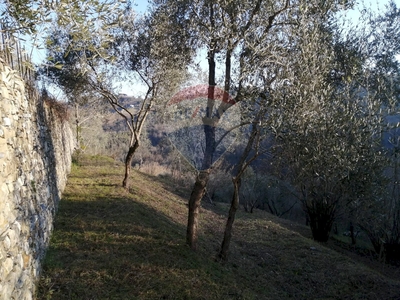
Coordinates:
(109, 243)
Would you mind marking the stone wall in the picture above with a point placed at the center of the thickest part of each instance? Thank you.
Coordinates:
(35, 158)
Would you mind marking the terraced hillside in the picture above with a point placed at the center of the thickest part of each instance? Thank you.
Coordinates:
(109, 243)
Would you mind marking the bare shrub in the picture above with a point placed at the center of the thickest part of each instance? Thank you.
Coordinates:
(59, 109)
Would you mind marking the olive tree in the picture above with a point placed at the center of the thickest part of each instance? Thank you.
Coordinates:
(65, 72)
(328, 133)
(221, 27)
(250, 153)
(33, 20)
(136, 50)
(378, 212)
(148, 49)
(268, 55)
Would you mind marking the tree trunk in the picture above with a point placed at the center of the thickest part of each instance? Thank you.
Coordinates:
(321, 217)
(128, 164)
(194, 208)
(200, 188)
(244, 162)
(223, 253)
(200, 185)
(320, 227)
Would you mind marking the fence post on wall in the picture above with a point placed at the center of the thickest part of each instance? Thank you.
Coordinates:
(13, 54)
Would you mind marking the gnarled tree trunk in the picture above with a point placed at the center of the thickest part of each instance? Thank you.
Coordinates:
(321, 212)
(223, 253)
(202, 178)
(245, 160)
(128, 164)
(194, 208)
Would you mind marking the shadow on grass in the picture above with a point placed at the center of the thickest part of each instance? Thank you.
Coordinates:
(111, 244)
(118, 248)
(179, 188)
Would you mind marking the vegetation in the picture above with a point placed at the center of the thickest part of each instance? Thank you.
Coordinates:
(321, 97)
(111, 244)
(133, 49)
(316, 111)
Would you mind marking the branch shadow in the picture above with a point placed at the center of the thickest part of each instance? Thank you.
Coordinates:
(119, 248)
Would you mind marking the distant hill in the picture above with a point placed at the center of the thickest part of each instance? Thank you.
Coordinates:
(129, 101)
(113, 121)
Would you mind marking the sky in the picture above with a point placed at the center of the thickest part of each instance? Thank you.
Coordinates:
(141, 5)
(376, 6)
(38, 56)
(353, 17)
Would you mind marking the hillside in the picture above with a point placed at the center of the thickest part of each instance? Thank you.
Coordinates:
(112, 244)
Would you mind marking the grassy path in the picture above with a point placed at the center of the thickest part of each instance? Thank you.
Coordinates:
(112, 244)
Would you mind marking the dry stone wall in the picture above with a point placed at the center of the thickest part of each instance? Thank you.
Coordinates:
(35, 158)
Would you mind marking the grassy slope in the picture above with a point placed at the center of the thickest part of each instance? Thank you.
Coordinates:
(112, 244)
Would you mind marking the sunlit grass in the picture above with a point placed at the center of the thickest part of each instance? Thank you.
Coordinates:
(109, 243)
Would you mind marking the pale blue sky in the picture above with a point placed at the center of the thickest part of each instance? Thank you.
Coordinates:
(142, 5)
(353, 17)
(376, 5)
(38, 55)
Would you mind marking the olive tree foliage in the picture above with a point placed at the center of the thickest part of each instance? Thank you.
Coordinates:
(382, 53)
(227, 30)
(330, 120)
(378, 214)
(147, 49)
(23, 15)
(33, 20)
(135, 49)
(263, 65)
(65, 70)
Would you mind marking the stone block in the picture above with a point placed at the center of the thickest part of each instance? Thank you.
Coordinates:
(6, 122)
(25, 103)
(7, 243)
(26, 260)
(18, 264)
(13, 238)
(7, 266)
(14, 110)
(3, 147)
(19, 86)
(10, 187)
(3, 221)
(4, 191)
(4, 92)
(16, 227)
(27, 295)
(5, 292)
(10, 142)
